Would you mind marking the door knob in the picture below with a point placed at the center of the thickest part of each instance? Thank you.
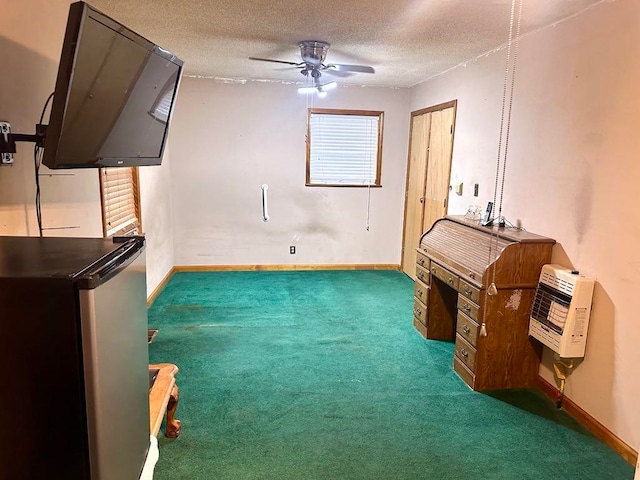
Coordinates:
(421, 199)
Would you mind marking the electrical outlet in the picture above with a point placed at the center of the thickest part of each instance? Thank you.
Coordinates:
(5, 130)
(292, 249)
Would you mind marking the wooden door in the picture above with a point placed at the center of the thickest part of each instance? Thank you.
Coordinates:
(438, 167)
(428, 175)
(414, 196)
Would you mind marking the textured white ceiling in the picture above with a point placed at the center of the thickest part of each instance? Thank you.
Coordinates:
(406, 41)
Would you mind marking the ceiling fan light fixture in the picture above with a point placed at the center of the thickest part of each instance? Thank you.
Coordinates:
(313, 54)
(308, 89)
(321, 90)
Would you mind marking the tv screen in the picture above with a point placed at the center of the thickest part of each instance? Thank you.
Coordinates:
(114, 96)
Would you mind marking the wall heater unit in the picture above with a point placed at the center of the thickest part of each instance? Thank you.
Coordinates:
(561, 308)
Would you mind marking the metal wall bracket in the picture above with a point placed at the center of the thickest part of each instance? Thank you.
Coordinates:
(6, 158)
(8, 140)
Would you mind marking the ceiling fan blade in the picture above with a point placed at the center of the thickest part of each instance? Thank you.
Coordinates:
(342, 67)
(275, 61)
(328, 85)
(292, 67)
(338, 73)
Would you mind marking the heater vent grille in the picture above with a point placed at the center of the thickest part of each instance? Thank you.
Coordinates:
(557, 283)
(560, 311)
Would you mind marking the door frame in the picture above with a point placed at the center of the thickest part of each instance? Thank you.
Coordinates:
(422, 111)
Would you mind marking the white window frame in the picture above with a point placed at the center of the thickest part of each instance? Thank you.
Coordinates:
(365, 147)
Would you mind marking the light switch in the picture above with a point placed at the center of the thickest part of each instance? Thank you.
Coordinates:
(459, 188)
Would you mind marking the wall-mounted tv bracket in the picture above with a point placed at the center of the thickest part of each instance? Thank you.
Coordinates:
(8, 140)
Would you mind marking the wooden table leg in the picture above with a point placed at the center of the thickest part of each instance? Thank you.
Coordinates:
(163, 400)
(173, 424)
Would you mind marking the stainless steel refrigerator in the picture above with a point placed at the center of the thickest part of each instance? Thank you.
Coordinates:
(75, 384)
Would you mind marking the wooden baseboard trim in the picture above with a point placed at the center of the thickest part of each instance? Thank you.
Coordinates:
(242, 268)
(160, 286)
(590, 423)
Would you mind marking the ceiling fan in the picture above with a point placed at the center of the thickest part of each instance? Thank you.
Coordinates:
(313, 54)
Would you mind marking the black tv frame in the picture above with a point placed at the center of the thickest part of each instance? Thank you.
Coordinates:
(79, 12)
(48, 136)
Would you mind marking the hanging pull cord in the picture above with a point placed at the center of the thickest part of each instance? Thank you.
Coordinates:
(492, 289)
(265, 209)
(513, 82)
(368, 204)
(369, 182)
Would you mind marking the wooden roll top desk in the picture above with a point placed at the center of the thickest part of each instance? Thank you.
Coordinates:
(457, 261)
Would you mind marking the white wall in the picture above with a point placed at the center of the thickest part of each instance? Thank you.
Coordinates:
(31, 35)
(229, 139)
(572, 175)
(157, 219)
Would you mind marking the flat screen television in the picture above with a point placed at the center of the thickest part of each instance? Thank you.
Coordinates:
(114, 95)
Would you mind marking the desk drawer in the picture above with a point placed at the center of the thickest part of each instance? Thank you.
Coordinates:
(470, 292)
(420, 311)
(468, 308)
(422, 274)
(421, 291)
(467, 328)
(422, 260)
(422, 329)
(466, 353)
(445, 275)
(466, 375)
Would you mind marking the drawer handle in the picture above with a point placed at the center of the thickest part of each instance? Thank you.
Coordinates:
(450, 280)
(468, 291)
(466, 308)
(420, 292)
(433, 270)
(420, 275)
(466, 329)
(418, 311)
(421, 261)
(464, 353)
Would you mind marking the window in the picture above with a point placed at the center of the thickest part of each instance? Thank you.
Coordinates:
(344, 147)
(120, 201)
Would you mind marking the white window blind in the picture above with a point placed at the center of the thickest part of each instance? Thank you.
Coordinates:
(120, 201)
(344, 149)
(162, 105)
(161, 109)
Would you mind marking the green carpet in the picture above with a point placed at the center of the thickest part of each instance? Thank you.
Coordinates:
(320, 375)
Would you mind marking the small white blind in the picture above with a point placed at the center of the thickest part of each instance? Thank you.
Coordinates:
(120, 204)
(161, 110)
(343, 149)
